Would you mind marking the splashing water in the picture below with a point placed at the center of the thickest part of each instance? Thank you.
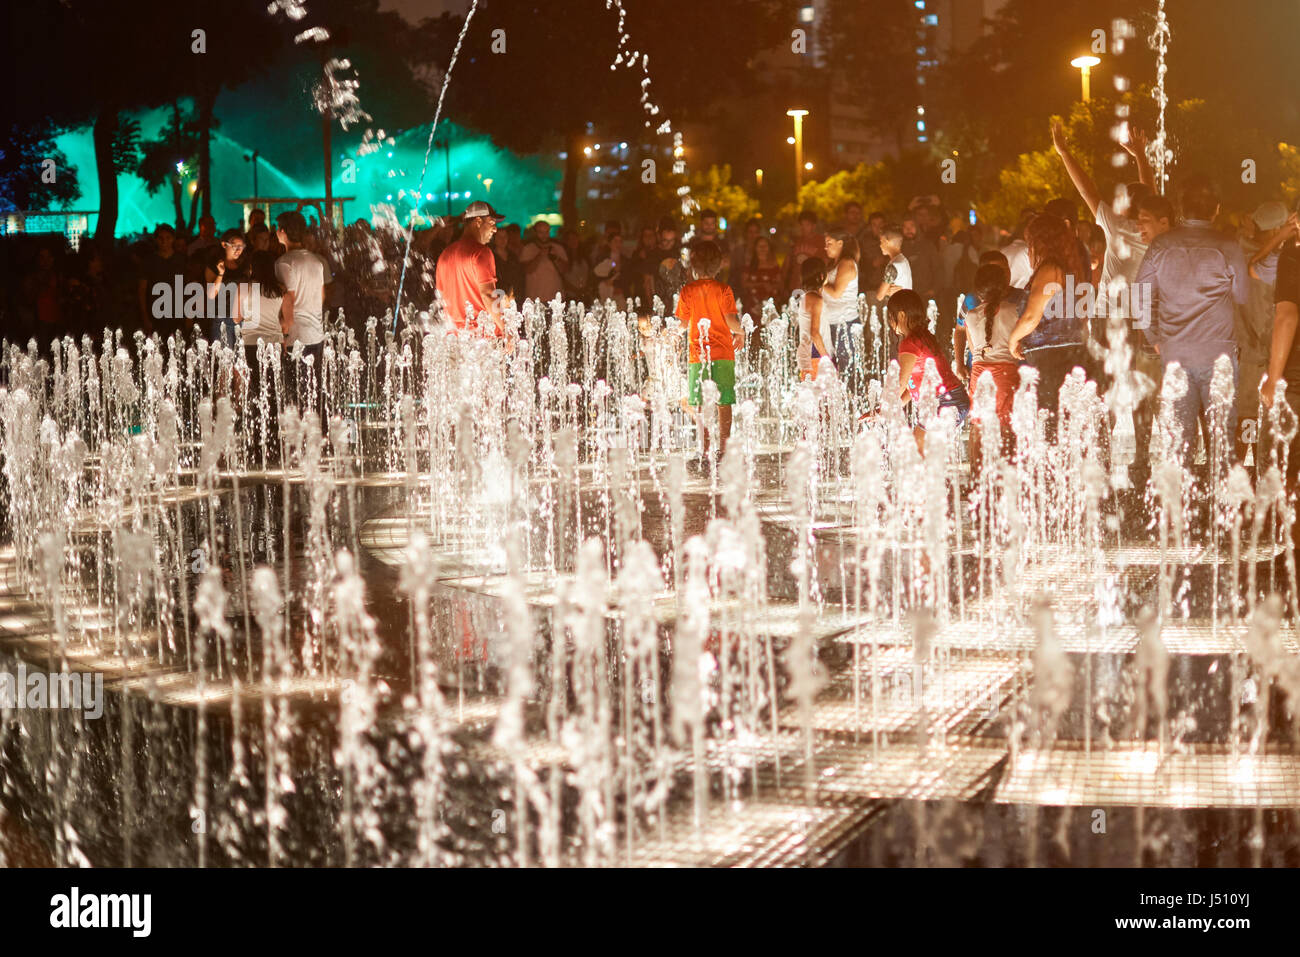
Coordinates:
(589, 655)
(428, 150)
(631, 59)
(1162, 155)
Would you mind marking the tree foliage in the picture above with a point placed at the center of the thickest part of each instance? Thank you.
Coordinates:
(193, 50)
(1289, 163)
(713, 189)
(24, 148)
(170, 157)
(870, 184)
(1038, 175)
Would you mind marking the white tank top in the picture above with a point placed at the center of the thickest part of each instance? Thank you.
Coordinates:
(261, 320)
(839, 310)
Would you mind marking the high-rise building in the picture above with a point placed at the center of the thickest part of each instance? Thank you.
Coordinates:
(942, 28)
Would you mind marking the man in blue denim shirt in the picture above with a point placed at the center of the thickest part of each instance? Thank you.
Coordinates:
(1197, 278)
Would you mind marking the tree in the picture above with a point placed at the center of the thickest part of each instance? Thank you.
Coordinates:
(169, 158)
(1289, 163)
(886, 186)
(710, 188)
(360, 41)
(1034, 180)
(99, 75)
(236, 45)
(1245, 166)
(869, 184)
(713, 189)
(193, 50)
(992, 99)
(27, 181)
(1037, 176)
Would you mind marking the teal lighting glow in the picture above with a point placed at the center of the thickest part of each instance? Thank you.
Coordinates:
(522, 186)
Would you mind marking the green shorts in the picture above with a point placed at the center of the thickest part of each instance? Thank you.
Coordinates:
(721, 371)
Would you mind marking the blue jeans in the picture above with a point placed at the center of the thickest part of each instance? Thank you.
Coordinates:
(957, 398)
(1194, 408)
(842, 347)
(223, 331)
(1054, 364)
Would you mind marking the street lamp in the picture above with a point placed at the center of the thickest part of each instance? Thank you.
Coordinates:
(798, 149)
(1085, 65)
(758, 176)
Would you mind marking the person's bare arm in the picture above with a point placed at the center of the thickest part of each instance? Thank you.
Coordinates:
(1136, 147)
(1290, 228)
(959, 352)
(1078, 175)
(737, 330)
(286, 311)
(906, 362)
(1286, 316)
(489, 291)
(1046, 285)
(815, 329)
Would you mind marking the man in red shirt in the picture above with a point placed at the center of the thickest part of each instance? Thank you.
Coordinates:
(467, 272)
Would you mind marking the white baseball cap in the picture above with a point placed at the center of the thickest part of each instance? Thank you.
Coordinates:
(480, 208)
(1270, 215)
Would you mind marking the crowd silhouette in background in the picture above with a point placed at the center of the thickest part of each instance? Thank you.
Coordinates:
(1200, 282)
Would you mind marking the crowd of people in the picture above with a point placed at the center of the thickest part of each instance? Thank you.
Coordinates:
(1059, 292)
(53, 290)
(973, 300)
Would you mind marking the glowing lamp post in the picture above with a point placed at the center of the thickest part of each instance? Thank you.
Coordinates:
(1085, 64)
(798, 149)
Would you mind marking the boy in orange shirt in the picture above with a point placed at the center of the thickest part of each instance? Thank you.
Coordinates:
(711, 354)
